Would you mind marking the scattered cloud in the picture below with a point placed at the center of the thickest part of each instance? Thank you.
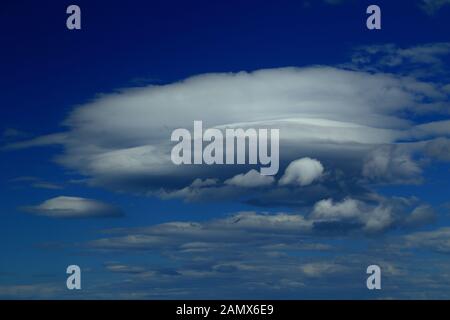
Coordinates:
(350, 214)
(409, 60)
(247, 252)
(260, 230)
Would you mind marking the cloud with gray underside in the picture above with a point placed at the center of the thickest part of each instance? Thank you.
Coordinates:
(342, 130)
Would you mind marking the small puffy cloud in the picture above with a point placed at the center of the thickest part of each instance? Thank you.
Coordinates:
(73, 207)
(327, 209)
(391, 164)
(251, 179)
(356, 214)
(302, 172)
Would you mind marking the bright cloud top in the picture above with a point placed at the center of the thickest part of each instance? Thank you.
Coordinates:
(302, 172)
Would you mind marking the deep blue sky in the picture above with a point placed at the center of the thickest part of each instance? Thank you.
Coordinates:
(47, 70)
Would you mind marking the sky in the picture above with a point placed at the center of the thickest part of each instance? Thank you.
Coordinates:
(85, 142)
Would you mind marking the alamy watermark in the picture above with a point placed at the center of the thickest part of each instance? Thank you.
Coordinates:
(74, 279)
(229, 146)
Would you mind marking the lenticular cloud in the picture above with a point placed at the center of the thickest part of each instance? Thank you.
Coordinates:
(122, 141)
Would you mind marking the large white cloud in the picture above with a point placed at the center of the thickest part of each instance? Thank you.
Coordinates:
(122, 141)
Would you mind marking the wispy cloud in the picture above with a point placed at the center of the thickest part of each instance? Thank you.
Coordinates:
(73, 207)
(36, 182)
(432, 6)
